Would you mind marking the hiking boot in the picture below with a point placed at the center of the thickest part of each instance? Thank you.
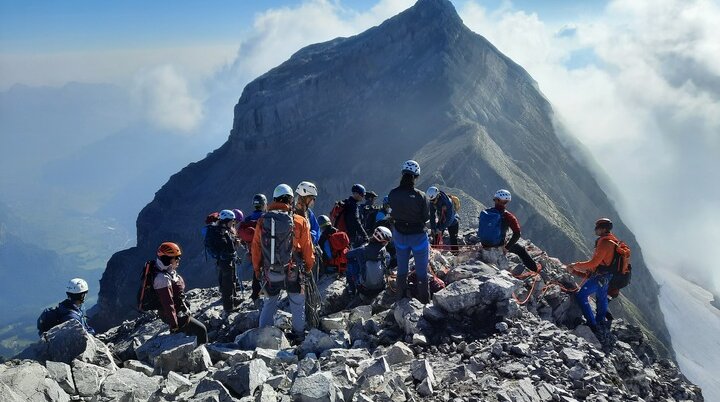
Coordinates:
(400, 287)
(423, 292)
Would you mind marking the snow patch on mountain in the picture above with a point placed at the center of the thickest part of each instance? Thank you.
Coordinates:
(694, 325)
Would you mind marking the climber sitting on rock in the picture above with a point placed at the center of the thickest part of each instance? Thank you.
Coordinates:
(69, 309)
(492, 233)
(367, 265)
(170, 289)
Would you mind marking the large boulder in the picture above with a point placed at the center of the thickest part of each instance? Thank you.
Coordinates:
(266, 338)
(88, 377)
(126, 384)
(29, 381)
(185, 359)
(317, 341)
(460, 295)
(244, 378)
(67, 342)
(408, 314)
(318, 387)
(62, 374)
(151, 350)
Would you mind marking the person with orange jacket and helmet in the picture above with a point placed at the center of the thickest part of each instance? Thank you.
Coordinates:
(598, 280)
(170, 289)
(282, 254)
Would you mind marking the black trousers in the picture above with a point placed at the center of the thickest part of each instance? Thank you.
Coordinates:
(197, 329)
(453, 232)
(524, 256)
(227, 281)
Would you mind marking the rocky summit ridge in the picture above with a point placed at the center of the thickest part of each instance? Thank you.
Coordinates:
(473, 342)
(420, 86)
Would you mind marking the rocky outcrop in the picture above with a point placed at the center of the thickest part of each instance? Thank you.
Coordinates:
(426, 87)
(475, 341)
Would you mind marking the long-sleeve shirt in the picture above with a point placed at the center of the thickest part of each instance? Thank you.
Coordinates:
(353, 220)
(603, 255)
(170, 288)
(68, 310)
(442, 213)
(509, 222)
(302, 242)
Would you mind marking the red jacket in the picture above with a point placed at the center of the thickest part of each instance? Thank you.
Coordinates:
(170, 288)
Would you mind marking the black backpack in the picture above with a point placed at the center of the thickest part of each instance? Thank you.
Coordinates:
(277, 241)
(49, 318)
(147, 297)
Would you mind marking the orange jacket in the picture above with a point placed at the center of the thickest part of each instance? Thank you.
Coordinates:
(301, 239)
(604, 253)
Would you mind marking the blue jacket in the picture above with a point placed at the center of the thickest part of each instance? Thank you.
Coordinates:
(314, 227)
(445, 211)
(67, 310)
(254, 216)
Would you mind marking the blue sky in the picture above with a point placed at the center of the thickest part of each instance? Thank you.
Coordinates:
(52, 26)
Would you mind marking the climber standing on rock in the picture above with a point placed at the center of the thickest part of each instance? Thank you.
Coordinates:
(598, 277)
(282, 254)
(492, 232)
(442, 216)
(247, 233)
(221, 242)
(170, 289)
(353, 216)
(410, 212)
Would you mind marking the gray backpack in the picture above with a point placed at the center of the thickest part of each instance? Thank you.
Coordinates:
(372, 274)
(277, 244)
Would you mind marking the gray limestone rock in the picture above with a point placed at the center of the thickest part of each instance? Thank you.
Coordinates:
(245, 378)
(318, 387)
(459, 295)
(408, 313)
(139, 366)
(266, 338)
(518, 391)
(151, 350)
(317, 341)
(126, 384)
(184, 358)
(62, 374)
(29, 381)
(88, 377)
(421, 369)
(399, 353)
(176, 384)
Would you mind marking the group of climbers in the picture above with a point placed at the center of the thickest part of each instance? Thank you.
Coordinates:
(279, 246)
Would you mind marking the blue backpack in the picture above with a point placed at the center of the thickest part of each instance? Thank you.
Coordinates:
(49, 318)
(490, 228)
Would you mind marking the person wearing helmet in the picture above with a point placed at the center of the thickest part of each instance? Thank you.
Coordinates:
(306, 194)
(170, 289)
(246, 234)
(492, 230)
(221, 242)
(367, 265)
(442, 216)
(598, 281)
(69, 309)
(353, 216)
(410, 211)
(334, 245)
(282, 254)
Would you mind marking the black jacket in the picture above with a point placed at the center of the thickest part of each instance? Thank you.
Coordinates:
(409, 209)
(353, 220)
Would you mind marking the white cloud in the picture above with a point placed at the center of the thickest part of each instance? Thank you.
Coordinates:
(166, 99)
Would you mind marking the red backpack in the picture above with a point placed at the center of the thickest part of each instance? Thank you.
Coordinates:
(339, 243)
(337, 216)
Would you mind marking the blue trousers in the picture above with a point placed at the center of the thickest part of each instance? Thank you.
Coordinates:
(354, 257)
(419, 245)
(297, 309)
(597, 285)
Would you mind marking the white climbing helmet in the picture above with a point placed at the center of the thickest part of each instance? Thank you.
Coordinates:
(503, 195)
(226, 215)
(382, 234)
(281, 190)
(306, 188)
(411, 167)
(433, 193)
(77, 286)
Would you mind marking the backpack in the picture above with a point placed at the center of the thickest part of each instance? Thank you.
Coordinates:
(371, 277)
(337, 216)
(490, 230)
(49, 318)
(456, 203)
(215, 243)
(620, 266)
(277, 241)
(339, 244)
(147, 298)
